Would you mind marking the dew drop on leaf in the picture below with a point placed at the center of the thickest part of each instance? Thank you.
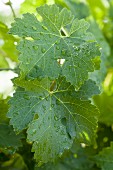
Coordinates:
(63, 52)
(35, 47)
(44, 107)
(43, 50)
(26, 97)
(52, 105)
(57, 42)
(57, 47)
(55, 117)
(34, 28)
(34, 130)
(41, 33)
(40, 97)
(44, 27)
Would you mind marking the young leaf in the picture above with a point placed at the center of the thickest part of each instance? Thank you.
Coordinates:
(56, 116)
(56, 36)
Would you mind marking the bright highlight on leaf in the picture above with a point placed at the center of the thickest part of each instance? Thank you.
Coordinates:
(57, 36)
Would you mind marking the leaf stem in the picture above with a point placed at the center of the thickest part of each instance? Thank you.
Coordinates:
(6, 69)
(10, 4)
(53, 85)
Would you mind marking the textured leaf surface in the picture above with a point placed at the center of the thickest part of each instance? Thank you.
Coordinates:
(8, 138)
(56, 36)
(55, 114)
(87, 90)
(105, 158)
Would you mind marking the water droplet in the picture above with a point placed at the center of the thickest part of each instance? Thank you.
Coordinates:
(75, 66)
(36, 116)
(57, 47)
(57, 102)
(26, 97)
(35, 47)
(34, 28)
(63, 52)
(60, 154)
(44, 107)
(76, 48)
(57, 42)
(43, 50)
(55, 117)
(52, 105)
(41, 33)
(34, 131)
(40, 97)
(44, 27)
(47, 98)
(25, 26)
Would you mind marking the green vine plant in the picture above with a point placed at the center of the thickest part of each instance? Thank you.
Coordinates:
(53, 95)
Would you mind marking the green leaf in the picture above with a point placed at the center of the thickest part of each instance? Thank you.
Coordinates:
(94, 28)
(104, 159)
(8, 48)
(3, 62)
(3, 111)
(56, 116)
(79, 9)
(30, 6)
(56, 36)
(87, 90)
(8, 138)
(80, 160)
(105, 105)
(16, 162)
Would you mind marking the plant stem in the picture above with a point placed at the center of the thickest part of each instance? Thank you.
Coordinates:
(6, 69)
(53, 85)
(10, 4)
(14, 15)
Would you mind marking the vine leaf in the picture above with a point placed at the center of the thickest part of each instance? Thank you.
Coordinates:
(54, 116)
(8, 138)
(56, 35)
(105, 158)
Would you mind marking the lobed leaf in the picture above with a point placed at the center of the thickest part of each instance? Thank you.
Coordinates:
(54, 37)
(54, 116)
